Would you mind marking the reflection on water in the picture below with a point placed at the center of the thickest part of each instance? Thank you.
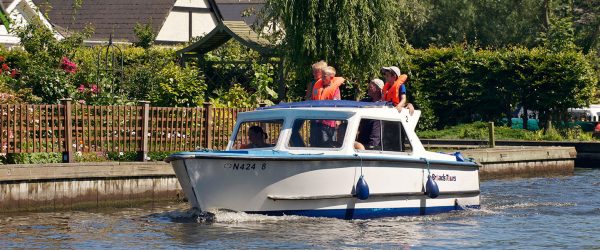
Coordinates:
(560, 212)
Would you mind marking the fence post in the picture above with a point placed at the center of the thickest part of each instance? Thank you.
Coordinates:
(208, 116)
(142, 155)
(492, 141)
(67, 155)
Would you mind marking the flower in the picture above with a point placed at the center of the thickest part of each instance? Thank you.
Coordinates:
(81, 88)
(82, 101)
(68, 66)
(94, 88)
(5, 67)
(14, 73)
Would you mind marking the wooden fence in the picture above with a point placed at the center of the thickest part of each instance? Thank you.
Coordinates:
(70, 127)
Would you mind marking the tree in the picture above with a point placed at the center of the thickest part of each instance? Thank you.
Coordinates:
(485, 23)
(356, 37)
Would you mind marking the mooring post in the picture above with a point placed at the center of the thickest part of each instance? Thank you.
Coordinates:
(143, 150)
(492, 141)
(67, 155)
(208, 123)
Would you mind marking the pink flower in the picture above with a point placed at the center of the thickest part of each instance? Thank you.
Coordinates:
(14, 73)
(5, 67)
(81, 101)
(94, 88)
(68, 66)
(81, 88)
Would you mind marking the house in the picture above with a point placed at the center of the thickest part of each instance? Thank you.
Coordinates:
(173, 21)
(18, 12)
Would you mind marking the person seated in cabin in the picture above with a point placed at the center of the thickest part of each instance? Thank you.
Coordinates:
(369, 130)
(257, 138)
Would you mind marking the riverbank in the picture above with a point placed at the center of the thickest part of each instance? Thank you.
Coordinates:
(45, 187)
(82, 185)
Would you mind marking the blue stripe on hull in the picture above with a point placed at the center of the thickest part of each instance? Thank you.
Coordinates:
(363, 213)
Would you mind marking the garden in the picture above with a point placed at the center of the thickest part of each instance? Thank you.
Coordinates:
(459, 83)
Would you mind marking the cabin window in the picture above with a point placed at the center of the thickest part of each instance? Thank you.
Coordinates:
(258, 134)
(314, 133)
(382, 135)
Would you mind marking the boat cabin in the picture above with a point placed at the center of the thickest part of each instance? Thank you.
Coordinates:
(328, 127)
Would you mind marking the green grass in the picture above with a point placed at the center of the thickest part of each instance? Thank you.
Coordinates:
(479, 131)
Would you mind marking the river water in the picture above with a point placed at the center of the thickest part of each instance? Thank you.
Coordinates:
(556, 212)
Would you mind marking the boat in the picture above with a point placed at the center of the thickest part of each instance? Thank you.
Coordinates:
(295, 171)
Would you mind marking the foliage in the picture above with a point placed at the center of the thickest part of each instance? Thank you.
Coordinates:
(90, 157)
(145, 35)
(45, 66)
(33, 158)
(461, 85)
(132, 156)
(559, 36)
(479, 131)
(236, 96)
(178, 87)
(356, 37)
(250, 80)
(500, 24)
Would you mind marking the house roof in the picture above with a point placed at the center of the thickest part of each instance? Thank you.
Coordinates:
(117, 17)
(234, 10)
(226, 30)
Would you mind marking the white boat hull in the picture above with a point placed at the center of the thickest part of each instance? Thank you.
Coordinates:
(323, 187)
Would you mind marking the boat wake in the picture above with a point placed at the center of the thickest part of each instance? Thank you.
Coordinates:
(534, 204)
(186, 216)
(222, 216)
(228, 216)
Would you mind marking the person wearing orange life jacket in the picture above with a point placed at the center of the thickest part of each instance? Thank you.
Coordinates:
(328, 88)
(317, 72)
(394, 89)
(323, 132)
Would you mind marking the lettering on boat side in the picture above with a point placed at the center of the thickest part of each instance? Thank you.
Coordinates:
(443, 177)
(245, 166)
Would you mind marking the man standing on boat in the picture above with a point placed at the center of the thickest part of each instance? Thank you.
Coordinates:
(323, 131)
(395, 90)
(317, 72)
(369, 130)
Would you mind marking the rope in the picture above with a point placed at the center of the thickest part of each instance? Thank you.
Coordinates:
(427, 162)
(361, 163)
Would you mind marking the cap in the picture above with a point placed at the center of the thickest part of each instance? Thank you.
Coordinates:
(378, 82)
(394, 69)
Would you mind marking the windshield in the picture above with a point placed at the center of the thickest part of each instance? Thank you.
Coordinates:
(258, 134)
(312, 133)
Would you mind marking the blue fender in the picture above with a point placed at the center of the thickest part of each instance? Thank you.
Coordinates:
(431, 188)
(362, 189)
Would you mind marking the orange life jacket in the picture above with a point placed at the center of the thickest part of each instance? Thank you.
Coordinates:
(326, 93)
(391, 90)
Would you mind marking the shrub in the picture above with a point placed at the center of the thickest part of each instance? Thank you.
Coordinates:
(33, 158)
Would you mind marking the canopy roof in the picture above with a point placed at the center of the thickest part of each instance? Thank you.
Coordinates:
(328, 104)
(225, 30)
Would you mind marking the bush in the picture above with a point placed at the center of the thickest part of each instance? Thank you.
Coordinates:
(479, 131)
(462, 85)
(132, 156)
(33, 158)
